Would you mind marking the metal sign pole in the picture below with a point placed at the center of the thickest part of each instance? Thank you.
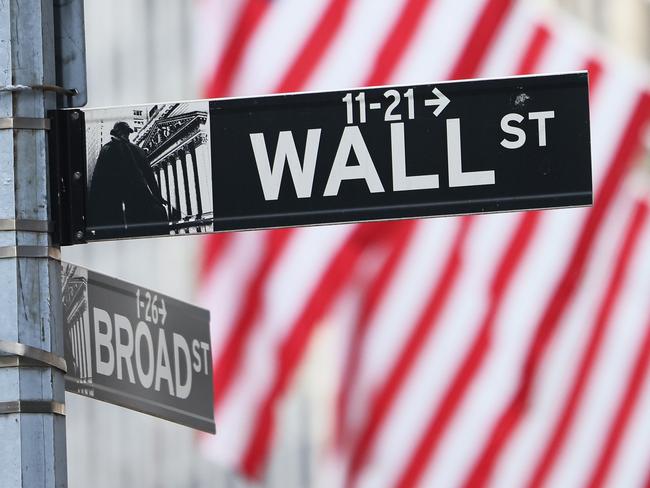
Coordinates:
(32, 422)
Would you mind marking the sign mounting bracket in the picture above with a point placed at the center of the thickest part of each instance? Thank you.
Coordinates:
(68, 175)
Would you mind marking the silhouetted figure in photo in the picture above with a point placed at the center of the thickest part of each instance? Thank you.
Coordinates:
(124, 192)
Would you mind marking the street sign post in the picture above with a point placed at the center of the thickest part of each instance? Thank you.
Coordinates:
(70, 52)
(136, 348)
(356, 155)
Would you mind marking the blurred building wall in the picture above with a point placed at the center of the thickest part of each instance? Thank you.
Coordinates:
(140, 51)
(622, 22)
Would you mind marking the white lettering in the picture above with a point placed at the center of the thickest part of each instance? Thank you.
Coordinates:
(456, 175)
(196, 364)
(180, 344)
(518, 132)
(123, 352)
(303, 176)
(206, 348)
(142, 331)
(402, 182)
(352, 140)
(541, 124)
(103, 341)
(163, 369)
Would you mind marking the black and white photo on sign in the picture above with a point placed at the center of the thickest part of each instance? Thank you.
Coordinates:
(77, 342)
(149, 169)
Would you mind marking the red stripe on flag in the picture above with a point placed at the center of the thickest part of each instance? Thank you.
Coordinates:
(249, 18)
(517, 406)
(571, 405)
(635, 380)
(227, 365)
(399, 235)
(292, 349)
(483, 33)
(313, 50)
(397, 41)
(595, 69)
(424, 327)
(536, 48)
(214, 246)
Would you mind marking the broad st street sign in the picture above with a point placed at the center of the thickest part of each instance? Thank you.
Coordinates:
(314, 158)
(136, 348)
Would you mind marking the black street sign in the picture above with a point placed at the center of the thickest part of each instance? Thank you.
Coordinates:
(137, 348)
(355, 155)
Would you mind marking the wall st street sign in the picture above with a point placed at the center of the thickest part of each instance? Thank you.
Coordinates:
(136, 348)
(314, 158)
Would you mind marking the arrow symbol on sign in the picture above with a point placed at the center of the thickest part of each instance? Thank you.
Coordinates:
(442, 101)
(163, 310)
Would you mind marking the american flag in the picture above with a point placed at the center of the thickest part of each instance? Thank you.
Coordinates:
(507, 350)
